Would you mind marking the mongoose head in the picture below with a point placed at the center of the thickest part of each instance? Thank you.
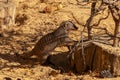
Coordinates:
(68, 25)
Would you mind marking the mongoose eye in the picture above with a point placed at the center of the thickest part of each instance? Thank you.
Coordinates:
(75, 26)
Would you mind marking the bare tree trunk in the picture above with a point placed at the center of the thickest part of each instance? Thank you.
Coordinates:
(116, 31)
(88, 23)
(116, 17)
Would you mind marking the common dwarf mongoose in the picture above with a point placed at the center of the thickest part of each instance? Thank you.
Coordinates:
(52, 40)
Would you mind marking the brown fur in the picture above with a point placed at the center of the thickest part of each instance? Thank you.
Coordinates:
(52, 40)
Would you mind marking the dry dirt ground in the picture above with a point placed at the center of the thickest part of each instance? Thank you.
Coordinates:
(31, 24)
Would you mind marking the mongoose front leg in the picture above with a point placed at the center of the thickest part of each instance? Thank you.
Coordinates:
(70, 43)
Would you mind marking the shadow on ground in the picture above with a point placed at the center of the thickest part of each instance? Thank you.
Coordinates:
(56, 61)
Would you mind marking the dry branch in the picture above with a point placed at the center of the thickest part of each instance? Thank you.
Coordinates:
(88, 22)
(101, 19)
(114, 9)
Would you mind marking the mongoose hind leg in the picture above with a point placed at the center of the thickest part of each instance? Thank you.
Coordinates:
(42, 58)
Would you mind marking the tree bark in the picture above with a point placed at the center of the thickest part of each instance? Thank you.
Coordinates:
(98, 57)
(116, 17)
(88, 23)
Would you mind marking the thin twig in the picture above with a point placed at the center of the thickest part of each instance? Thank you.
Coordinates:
(101, 19)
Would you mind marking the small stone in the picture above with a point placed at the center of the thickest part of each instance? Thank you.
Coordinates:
(60, 6)
(106, 74)
(47, 9)
(7, 78)
(18, 79)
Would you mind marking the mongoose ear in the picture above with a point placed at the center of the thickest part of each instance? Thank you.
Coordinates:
(66, 24)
